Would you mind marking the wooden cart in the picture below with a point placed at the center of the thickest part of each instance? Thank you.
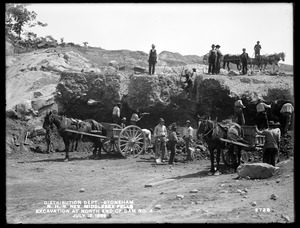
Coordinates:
(129, 141)
(254, 142)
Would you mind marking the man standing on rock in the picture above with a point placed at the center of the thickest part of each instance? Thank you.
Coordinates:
(261, 117)
(287, 111)
(212, 58)
(244, 59)
(116, 113)
(238, 110)
(257, 48)
(272, 140)
(219, 57)
(152, 60)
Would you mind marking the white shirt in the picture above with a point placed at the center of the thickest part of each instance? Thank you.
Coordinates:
(147, 133)
(188, 132)
(160, 130)
(288, 107)
(261, 107)
(116, 111)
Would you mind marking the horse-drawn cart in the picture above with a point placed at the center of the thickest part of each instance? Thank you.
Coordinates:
(251, 142)
(127, 141)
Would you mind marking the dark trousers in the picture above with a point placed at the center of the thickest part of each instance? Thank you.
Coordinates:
(257, 54)
(262, 120)
(151, 67)
(240, 115)
(212, 65)
(218, 66)
(269, 156)
(173, 150)
(244, 66)
(115, 119)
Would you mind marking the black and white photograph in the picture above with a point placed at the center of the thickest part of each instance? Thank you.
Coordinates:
(149, 113)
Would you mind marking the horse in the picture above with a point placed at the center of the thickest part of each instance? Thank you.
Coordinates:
(211, 132)
(62, 123)
(264, 60)
(232, 59)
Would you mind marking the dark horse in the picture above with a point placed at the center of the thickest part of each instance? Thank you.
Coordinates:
(62, 123)
(211, 132)
(232, 59)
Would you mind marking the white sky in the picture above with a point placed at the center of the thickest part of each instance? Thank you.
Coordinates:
(186, 28)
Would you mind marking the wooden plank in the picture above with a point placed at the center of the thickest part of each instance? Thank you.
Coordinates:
(158, 183)
(236, 143)
(84, 133)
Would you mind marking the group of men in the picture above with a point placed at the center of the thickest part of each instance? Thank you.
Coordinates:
(162, 137)
(270, 130)
(214, 59)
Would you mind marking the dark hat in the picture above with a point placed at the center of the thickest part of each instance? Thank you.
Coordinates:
(271, 123)
(213, 45)
(161, 120)
(218, 46)
(153, 45)
(257, 41)
(244, 49)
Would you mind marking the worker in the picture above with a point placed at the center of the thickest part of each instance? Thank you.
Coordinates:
(219, 58)
(244, 59)
(123, 122)
(152, 59)
(257, 48)
(116, 113)
(188, 138)
(287, 111)
(272, 139)
(212, 58)
(173, 140)
(147, 134)
(261, 116)
(238, 110)
(189, 82)
(160, 135)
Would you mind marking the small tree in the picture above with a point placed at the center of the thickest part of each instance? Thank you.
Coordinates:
(16, 17)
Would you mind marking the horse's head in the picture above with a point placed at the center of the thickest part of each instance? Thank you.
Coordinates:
(204, 126)
(282, 56)
(48, 120)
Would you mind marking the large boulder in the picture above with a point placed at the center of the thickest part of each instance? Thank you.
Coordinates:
(256, 170)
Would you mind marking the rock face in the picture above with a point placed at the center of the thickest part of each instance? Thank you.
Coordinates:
(256, 170)
(87, 84)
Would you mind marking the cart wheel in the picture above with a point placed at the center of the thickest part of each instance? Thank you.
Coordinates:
(131, 141)
(110, 145)
(229, 156)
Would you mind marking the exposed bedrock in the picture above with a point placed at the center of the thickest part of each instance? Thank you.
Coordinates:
(93, 95)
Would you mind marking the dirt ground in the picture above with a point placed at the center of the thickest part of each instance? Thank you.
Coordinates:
(136, 190)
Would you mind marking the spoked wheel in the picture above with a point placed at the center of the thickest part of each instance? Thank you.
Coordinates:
(230, 156)
(110, 145)
(131, 141)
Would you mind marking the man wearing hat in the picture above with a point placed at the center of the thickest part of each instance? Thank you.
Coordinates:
(272, 140)
(123, 122)
(219, 57)
(116, 113)
(212, 58)
(173, 140)
(261, 116)
(152, 60)
(257, 48)
(160, 135)
(188, 136)
(286, 111)
(244, 59)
